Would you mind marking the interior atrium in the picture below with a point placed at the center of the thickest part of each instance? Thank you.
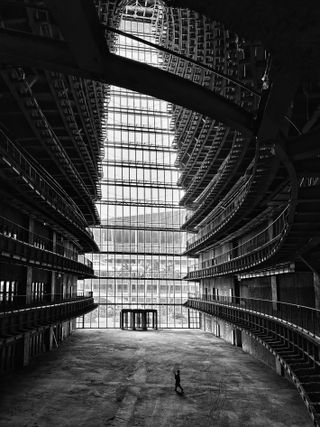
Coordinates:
(160, 173)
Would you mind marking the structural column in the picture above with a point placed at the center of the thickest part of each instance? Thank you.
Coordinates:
(316, 284)
(274, 292)
(29, 269)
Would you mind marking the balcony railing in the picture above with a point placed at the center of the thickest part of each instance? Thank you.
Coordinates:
(223, 212)
(298, 316)
(51, 192)
(17, 233)
(249, 253)
(16, 321)
(18, 301)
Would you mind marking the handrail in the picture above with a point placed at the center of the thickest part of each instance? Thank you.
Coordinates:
(299, 316)
(16, 232)
(54, 196)
(277, 227)
(49, 299)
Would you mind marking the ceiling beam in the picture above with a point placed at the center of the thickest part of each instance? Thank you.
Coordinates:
(44, 53)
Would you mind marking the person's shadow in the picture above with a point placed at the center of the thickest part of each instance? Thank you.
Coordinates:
(180, 393)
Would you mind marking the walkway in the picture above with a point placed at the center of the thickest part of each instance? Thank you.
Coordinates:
(122, 378)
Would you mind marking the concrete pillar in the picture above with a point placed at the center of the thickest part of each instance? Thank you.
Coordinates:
(48, 339)
(53, 286)
(238, 338)
(316, 284)
(144, 320)
(279, 368)
(54, 241)
(274, 292)
(26, 348)
(270, 230)
(29, 285)
(29, 269)
(133, 320)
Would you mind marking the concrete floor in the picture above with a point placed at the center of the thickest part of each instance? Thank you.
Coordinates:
(119, 378)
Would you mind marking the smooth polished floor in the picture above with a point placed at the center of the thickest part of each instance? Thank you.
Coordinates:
(122, 378)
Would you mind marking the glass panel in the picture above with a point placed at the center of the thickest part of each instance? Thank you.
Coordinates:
(141, 263)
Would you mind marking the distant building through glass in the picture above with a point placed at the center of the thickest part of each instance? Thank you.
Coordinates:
(141, 263)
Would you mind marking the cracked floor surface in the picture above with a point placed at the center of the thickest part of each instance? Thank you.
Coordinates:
(122, 378)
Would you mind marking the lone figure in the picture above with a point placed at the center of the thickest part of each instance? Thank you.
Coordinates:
(177, 378)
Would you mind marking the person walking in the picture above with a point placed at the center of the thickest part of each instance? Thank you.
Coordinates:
(177, 379)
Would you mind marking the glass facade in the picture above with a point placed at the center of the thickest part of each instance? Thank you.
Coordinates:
(141, 263)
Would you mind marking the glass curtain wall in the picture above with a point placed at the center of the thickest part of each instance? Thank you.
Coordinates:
(140, 264)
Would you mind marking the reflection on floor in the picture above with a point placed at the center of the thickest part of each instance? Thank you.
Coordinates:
(123, 378)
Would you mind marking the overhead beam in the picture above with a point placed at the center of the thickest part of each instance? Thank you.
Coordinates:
(39, 52)
(80, 26)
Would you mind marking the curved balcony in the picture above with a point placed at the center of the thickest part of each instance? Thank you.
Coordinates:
(14, 321)
(293, 232)
(241, 200)
(207, 164)
(49, 142)
(85, 114)
(195, 151)
(42, 192)
(79, 148)
(255, 251)
(290, 332)
(230, 170)
(221, 214)
(214, 58)
(28, 248)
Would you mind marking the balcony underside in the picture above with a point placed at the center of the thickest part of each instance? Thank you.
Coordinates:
(14, 323)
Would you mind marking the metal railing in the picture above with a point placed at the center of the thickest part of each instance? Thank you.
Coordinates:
(17, 321)
(47, 299)
(265, 240)
(223, 211)
(18, 233)
(298, 316)
(52, 193)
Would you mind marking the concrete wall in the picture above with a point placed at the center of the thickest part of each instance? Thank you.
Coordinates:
(224, 285)
(19, 352)
(258, 287)
(297, 288)
(234, 336)
(253, 347)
